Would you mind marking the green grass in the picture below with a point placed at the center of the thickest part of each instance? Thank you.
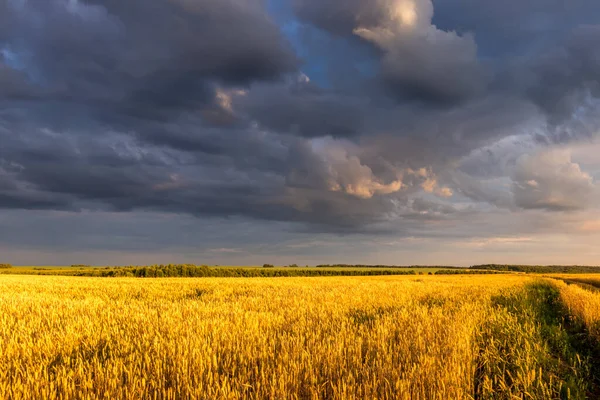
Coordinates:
(559, 364)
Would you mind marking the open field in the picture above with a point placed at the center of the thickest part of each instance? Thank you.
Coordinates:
(224, 271)
(587, 279)
(384, 337)
(46, 270)
(190, 270)
(60, 268)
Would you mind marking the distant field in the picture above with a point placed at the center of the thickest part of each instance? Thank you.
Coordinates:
(350, 268)
(541, 269)
(587, 281)
(41, 266)
(45, 270)
(259, 270)
(70, 270)
(379, 337)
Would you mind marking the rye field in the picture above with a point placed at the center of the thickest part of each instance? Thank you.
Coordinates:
(508, 336)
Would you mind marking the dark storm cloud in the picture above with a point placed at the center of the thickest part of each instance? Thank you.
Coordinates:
(14, 84)
(513, 27)
(417, 60)
(305, 110)
(338, 17)
(563, 77)
(242, 174)
(203, 107)
(143, 57)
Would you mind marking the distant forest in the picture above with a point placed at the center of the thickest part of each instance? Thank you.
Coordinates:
(269, 270)
(539, 269)
(383, 266)
(188, 270)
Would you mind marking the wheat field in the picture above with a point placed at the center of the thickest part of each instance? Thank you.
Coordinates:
(393, 337)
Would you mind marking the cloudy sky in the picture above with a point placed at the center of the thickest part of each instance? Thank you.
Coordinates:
(299, 131)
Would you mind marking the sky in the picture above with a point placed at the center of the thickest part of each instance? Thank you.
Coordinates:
(243, 132)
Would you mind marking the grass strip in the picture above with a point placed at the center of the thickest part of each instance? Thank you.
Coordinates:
(530, 348)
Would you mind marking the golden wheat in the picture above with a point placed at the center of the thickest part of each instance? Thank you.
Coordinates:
(261, 338)
(583, 304)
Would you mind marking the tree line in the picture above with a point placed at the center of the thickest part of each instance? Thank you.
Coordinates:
(539, 269)
(385, 266)
(195, 271)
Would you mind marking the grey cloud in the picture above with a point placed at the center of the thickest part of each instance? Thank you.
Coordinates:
(33, 201)
(441, 69)
(144, 57)
(305, 110)
(427, 207)
(250, 175)
(61, 170)
(337, 17)
(200, 108)
(14, 84)
(495, 159)
(550, 180)
(560, 79)
(490, 191)
(512, 27)
(418, 61)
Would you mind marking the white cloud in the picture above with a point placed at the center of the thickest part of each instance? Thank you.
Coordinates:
(497, 241)
(346, 173)
(430, 185)
(421, 60)
(551, 180)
